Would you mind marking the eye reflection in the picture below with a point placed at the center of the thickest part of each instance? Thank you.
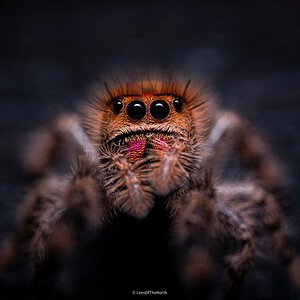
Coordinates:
(178, 103)
(117, 105)
(136, 110)
(159, 109)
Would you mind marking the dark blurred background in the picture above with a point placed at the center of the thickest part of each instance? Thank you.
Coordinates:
(248, 52)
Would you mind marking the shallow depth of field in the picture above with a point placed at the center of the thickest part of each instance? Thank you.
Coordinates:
(247, 52)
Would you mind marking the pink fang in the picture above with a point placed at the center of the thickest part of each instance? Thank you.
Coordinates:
(136, 150)
(162, 145)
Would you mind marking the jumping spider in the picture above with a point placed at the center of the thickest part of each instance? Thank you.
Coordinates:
(145, 145)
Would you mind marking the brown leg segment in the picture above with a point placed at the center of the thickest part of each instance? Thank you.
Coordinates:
(193, 229)
(203, 216)
(56, 214)
(232, 132)
(45, 146)
(233, 224)
(260, 211)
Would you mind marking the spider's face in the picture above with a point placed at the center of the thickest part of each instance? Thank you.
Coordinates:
(149, 136)
(151, 121)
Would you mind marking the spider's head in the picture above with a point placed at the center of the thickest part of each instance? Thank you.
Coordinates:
(150, 133)
(147, 121)
(147, 114)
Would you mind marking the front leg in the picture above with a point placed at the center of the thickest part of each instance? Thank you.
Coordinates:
(202, 219)
(194, 216)
(57, 215)
(60, 231)
(231, 223)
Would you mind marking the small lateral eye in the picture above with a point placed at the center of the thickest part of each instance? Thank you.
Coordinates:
(117, 105)
(177, 103)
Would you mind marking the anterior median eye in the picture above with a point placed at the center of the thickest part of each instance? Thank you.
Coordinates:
(136, 110)
(177, 103)
(159, 109)
(117, 105)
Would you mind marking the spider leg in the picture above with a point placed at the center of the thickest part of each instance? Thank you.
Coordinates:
(126, 183)
(204, 216)
(231, 131)
(193, 230)
(58, 228)
(242, 203)
(240, 229)
(53, 214)
(45, 145)
(44, 201)
(277, 232)
(192, 226)
(11, 244)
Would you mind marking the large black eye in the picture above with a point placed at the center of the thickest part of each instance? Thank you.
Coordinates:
(159, 109)
(117, 105)
(136, 110)
(177, 103)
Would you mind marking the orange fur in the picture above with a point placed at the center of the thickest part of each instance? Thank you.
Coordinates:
(101, 122)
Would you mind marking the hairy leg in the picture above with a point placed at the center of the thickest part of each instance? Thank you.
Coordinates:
(194, 215)
(64, 134)
(230, 131)
(126, 183)
(29, 209)
(260, 212)
(237, 224)
(203, 217)
(56, 214)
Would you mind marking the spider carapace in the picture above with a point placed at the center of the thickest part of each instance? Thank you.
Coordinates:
(147, 143)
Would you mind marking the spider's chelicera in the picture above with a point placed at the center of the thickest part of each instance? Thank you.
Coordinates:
(156, 140)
